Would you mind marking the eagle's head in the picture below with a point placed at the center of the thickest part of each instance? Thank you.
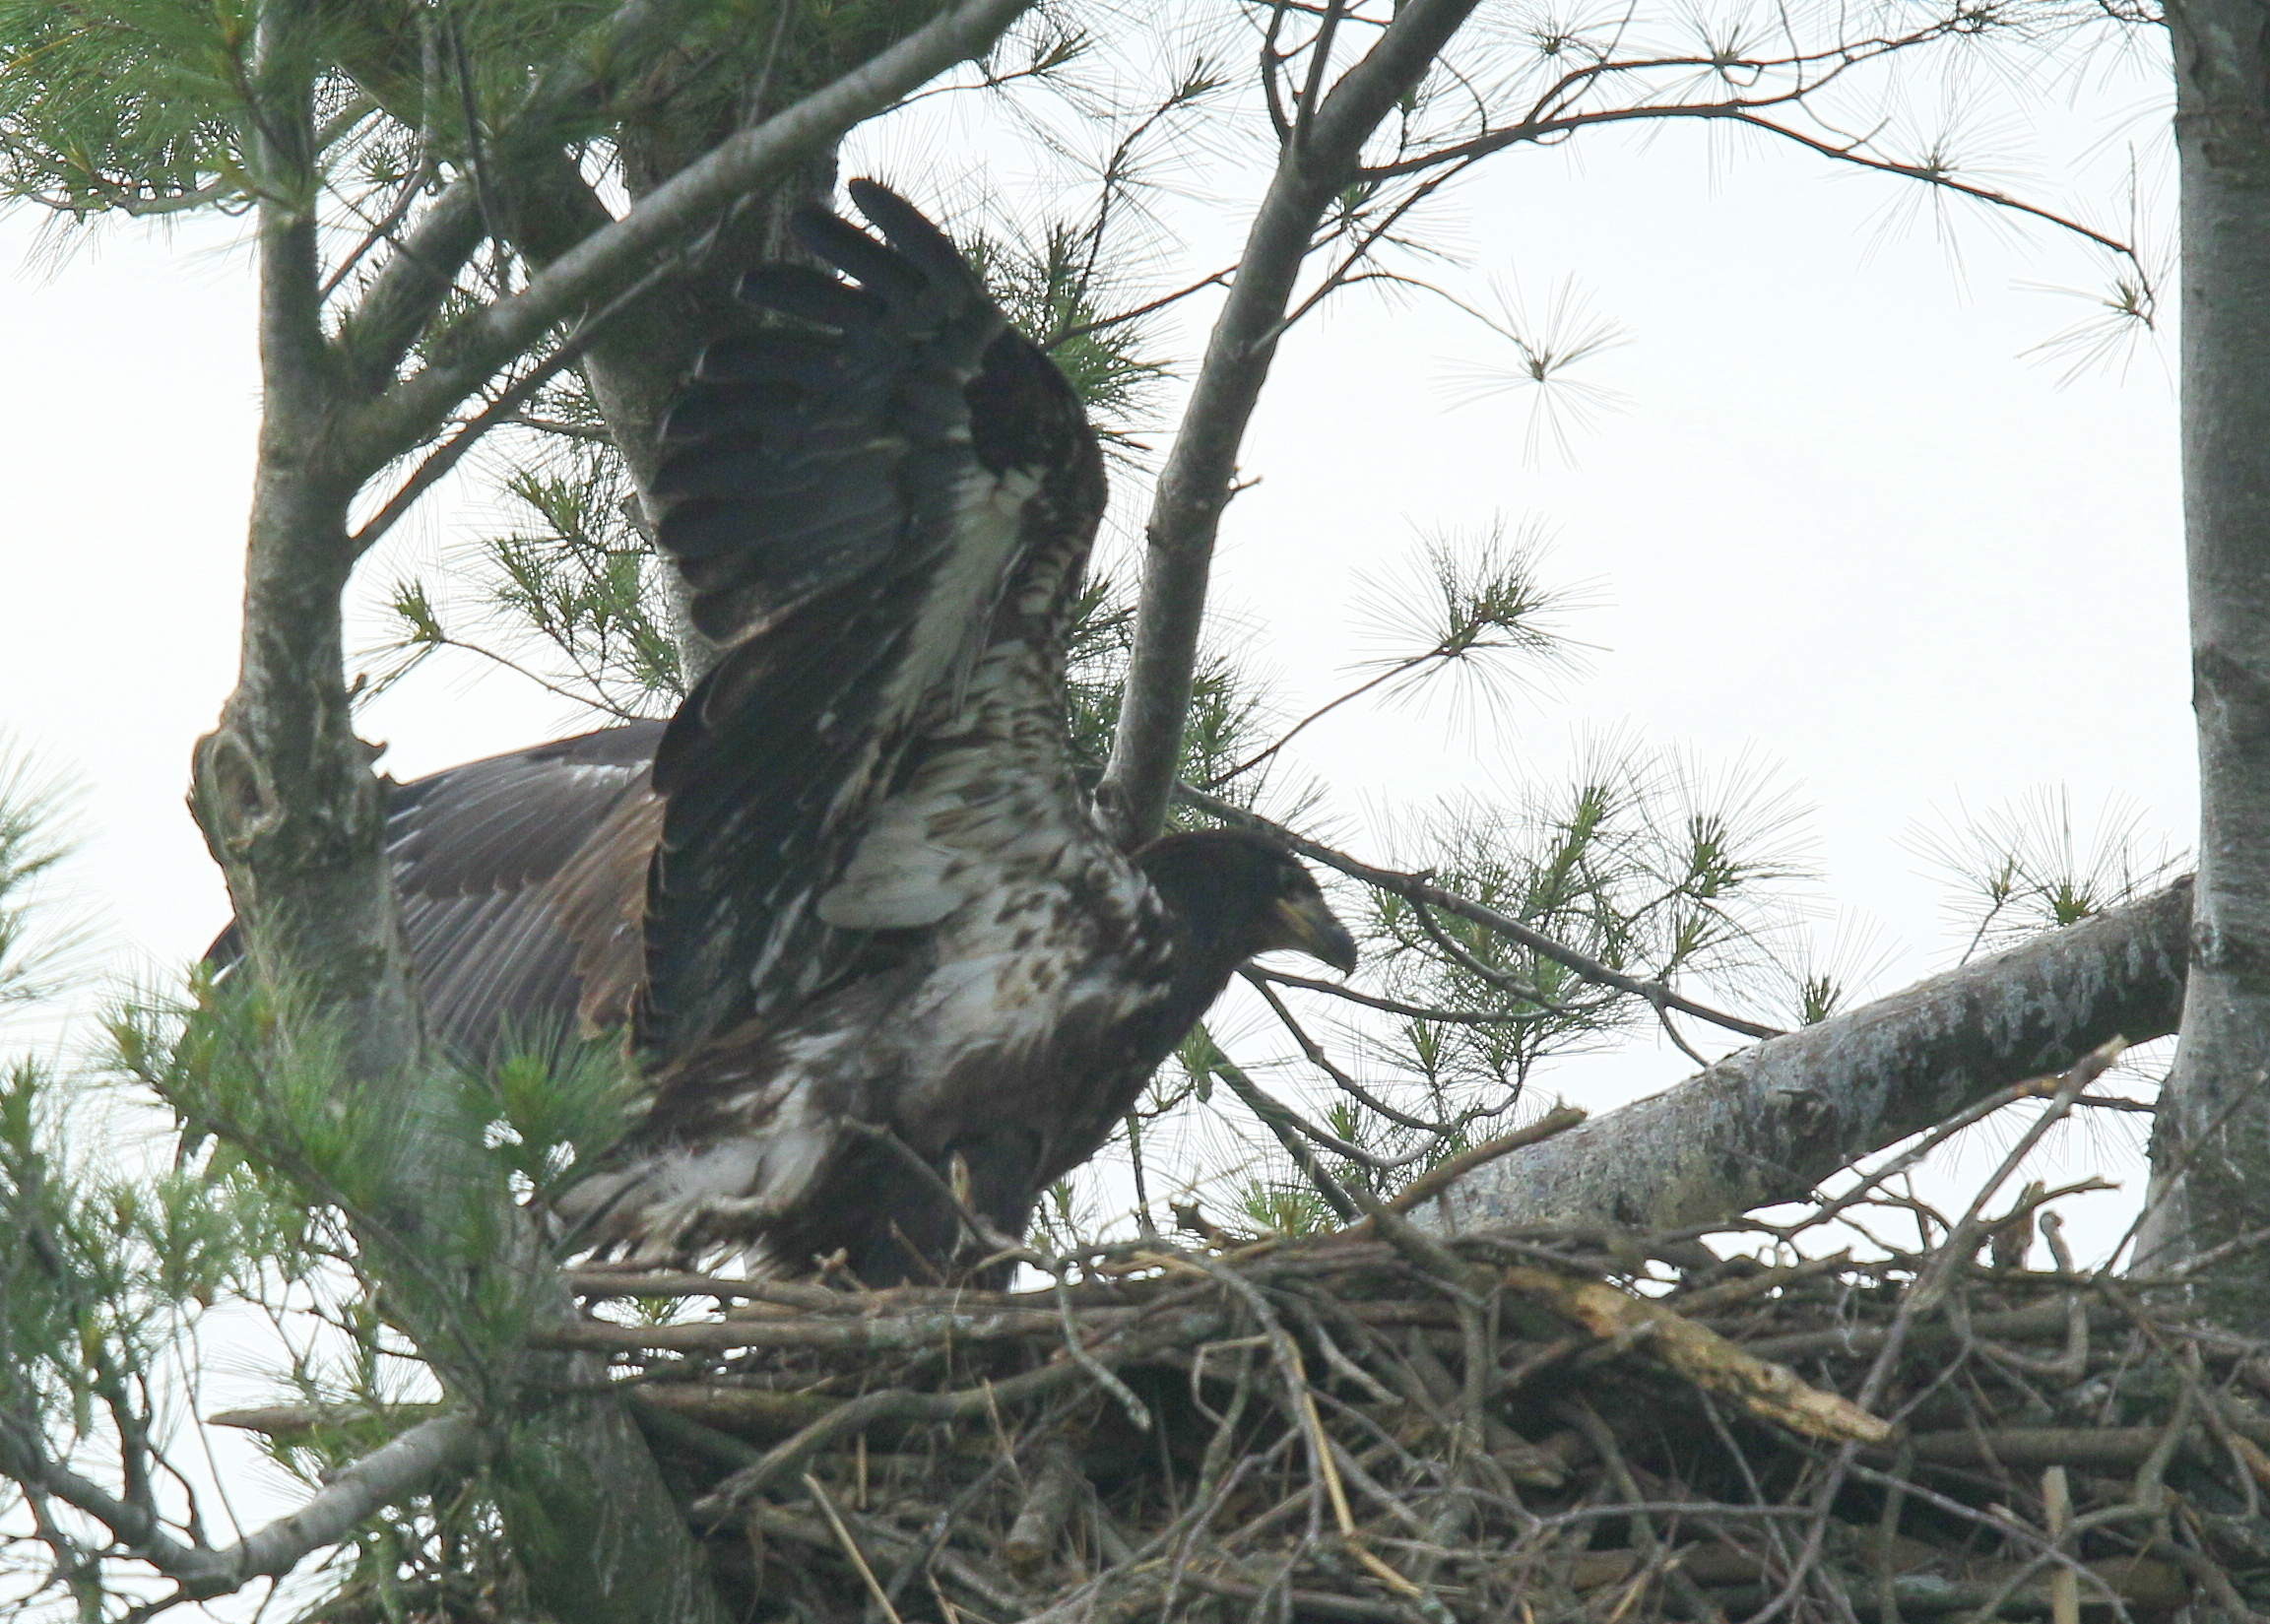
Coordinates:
(1238, 893)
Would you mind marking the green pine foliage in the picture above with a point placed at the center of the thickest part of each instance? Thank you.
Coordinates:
(1631, 864)
(135, 107)
(35, 956)
(246, 1073)
(572, 598)
(2037, 865)
(109, 1269)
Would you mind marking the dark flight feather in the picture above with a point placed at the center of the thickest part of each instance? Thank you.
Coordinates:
(880, 524)
(485, 857)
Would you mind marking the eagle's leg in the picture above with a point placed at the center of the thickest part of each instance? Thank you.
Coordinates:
(918, 1236)
(993, 1176)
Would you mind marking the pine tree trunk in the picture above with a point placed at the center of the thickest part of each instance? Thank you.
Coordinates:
(2211, 1155)
(283, 790)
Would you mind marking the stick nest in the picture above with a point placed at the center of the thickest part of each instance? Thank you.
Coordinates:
(1383, 1425)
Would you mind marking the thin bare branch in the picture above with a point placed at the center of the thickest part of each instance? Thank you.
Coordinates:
(1415, 888)
(400, 1466)
(1199, 477)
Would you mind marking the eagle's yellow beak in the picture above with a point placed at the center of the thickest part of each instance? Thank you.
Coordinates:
(1306, 926)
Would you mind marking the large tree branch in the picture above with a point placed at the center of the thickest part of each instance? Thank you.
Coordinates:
(284, 790)
(394, 309)
(613, 257)
(1767, 1124)
(1320, 157)
(412, 285)
(286, 796)
(400, 1466)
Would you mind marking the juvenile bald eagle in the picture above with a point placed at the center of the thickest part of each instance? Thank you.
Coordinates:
(849, 901)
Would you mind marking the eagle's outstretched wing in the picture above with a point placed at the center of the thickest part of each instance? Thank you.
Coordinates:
(521, 880)
(861, 504)
(847, 499)
(880, 897)
(518, 879)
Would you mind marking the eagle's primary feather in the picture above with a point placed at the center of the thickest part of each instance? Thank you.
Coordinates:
(850, 902)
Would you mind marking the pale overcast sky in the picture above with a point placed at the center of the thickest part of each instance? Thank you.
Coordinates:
(1844, 531)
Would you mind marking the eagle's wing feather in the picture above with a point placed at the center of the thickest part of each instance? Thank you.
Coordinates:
(480, 852)
(848, 512)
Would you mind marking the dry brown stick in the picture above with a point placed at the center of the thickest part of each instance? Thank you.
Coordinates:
(599, 1282)
(2057, 1515)
(2254, 1462)
(851, 1549)
(735, 1411)
(2154, 1585)
(1969, 1232)
(898, 1405)
(1381, 1439)
(891, 1405)
(2210, 1577)
(861, 1335)
(1433, 1181)
(772, 1520)
(1075, 1344)
(2092, 1449)
(1048, 1501)
(1657, 1560)
(1214, 1487)
(1306, 1603)
(1769, 1391)
(929, 1546)
(1264, 1522)
(2044, 1319)
(1713, 1299)
(1312, 1321)
(1302, 1405)
(2100, 1574)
